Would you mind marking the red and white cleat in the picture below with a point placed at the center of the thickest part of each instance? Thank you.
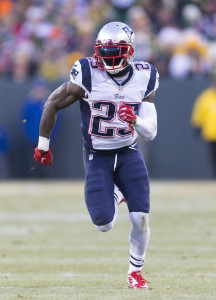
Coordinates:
(119, 198)
(136, 281)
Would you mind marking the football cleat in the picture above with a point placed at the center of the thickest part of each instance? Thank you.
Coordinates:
(136, 281)
(119, 198)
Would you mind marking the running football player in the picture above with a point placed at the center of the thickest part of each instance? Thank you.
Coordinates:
(116, 96)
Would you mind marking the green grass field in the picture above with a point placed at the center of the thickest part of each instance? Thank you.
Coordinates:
(49, 248)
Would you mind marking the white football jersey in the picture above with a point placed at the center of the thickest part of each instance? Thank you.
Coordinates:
(101, 125)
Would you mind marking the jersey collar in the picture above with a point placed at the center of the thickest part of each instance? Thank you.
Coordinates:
(125, 81)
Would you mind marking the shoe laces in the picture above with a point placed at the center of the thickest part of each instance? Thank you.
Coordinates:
(139, 278)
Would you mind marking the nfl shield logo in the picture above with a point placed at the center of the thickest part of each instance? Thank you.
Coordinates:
(90, 156)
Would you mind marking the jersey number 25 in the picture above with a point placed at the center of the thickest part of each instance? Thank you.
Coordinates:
(96, 122)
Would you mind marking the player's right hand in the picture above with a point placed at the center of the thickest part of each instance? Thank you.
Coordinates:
(43, 157)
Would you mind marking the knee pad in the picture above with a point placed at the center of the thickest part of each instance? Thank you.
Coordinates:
(105, 228)
(140, 220)
(101, 216)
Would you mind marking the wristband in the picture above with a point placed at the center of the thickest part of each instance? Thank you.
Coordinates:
(43, 143)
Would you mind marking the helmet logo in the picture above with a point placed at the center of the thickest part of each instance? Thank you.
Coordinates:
(128, 31)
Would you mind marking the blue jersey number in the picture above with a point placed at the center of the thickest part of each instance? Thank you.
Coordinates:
(110, 116)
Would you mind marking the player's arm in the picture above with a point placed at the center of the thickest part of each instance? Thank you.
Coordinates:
(149, 98)
(145, 122)
(62, 97)
(149, 94)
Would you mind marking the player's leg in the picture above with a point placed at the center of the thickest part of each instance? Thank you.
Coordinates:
(132, 178)
(139, 238)
(99, 189)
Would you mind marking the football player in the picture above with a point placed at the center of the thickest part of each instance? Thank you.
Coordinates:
(116, 96)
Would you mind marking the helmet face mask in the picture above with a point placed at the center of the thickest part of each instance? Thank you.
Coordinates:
(114, 48)
(111, 57)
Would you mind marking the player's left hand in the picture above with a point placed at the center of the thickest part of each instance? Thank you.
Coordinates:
(126, 113)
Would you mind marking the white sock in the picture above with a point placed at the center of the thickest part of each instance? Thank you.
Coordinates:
(139, 238)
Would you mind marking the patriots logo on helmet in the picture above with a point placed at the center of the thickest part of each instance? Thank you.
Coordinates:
(128, 31)
(74, 73)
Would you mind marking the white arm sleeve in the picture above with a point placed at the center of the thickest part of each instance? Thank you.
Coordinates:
(146, 122)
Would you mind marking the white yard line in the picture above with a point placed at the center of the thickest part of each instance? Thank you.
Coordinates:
(70, 187)
(43, 217)
(38, 288)
(48, 217)
(20, 230)
(53, 261)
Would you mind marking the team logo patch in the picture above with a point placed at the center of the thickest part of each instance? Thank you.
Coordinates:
(74, 73)
(128, 31)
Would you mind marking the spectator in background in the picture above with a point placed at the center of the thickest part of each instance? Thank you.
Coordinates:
(121, 8)
(204, 118)
(189, 58)
(140, 22)
(49, 36)
(30, 116)
(5, 8)
(4, 150)
(32, 110)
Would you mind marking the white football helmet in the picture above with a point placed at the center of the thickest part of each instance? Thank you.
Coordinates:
(114, 47)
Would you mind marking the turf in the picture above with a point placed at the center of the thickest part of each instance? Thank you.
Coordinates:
(49, 248)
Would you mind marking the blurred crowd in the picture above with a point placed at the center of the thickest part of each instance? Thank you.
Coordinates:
(44, 38)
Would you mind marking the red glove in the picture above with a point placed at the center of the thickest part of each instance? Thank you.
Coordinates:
(126, 113)
(43, 157)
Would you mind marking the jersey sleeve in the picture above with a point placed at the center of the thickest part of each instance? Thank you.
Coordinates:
(147, 110)
(146, 122)
(81, 75)
(153, 82)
